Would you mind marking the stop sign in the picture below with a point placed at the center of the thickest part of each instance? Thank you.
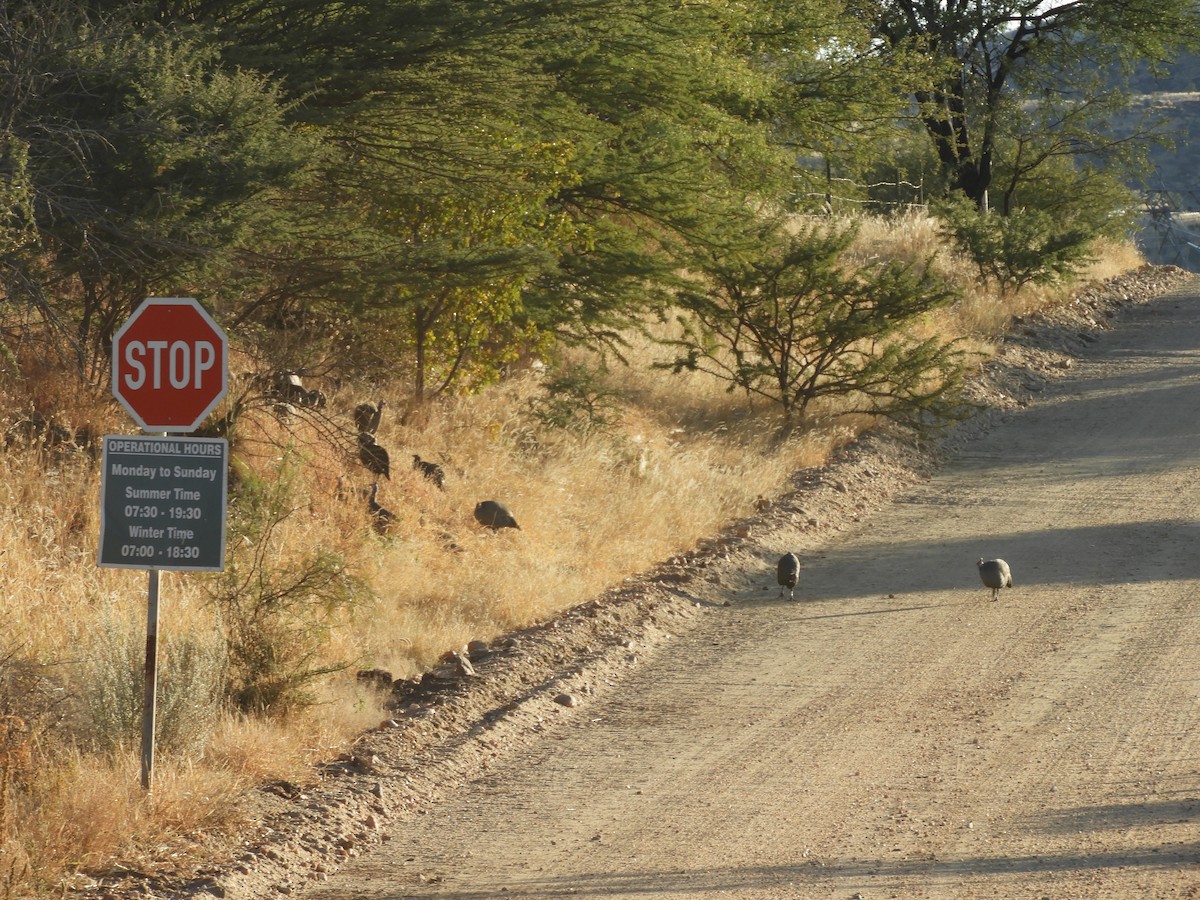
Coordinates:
(170, 364)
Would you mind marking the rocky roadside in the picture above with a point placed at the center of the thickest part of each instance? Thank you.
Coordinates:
(486, 702)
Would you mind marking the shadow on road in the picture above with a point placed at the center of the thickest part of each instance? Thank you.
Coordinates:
(897, 569)
(846, 876)
(1042, 557)
(1120, 816)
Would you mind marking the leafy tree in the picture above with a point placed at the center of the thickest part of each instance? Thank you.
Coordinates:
(837, 102)
(562, 155)
(139, 159)
(784, 320)
(441, 307)
(983, 63)
(670, 127)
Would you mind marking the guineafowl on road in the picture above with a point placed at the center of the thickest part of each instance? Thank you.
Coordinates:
(995, 573)
(382, 518)
(787, 573)
(374, 457)
(494, 515)
(430, 470)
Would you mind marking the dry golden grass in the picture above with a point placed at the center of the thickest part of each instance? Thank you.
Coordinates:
(684, 459)
(90, 808)
(591, 512)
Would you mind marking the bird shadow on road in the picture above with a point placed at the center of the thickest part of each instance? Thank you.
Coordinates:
(889, 610)
(1121, 554)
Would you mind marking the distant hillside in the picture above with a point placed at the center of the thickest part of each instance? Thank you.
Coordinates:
(1176, 168)
(1175, 96)
(1172, 182)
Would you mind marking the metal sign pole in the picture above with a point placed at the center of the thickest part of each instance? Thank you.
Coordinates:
(149, 700)
(150, 687)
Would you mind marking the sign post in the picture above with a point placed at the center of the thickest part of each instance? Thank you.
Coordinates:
(150, 683)
(163, 498)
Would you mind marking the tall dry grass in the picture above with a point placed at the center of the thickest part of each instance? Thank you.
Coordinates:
(683, 458)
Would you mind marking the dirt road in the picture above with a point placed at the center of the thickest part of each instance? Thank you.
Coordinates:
(893, 732)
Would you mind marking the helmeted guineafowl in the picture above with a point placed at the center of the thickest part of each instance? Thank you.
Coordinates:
(382, 518)
(995, 573)
(430, 470)
(494, 515)
(367, 416)
(787, 573)
(374, 457)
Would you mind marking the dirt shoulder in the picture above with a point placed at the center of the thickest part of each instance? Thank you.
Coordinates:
(499, 705)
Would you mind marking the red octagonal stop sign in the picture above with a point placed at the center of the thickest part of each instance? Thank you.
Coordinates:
(170, 364)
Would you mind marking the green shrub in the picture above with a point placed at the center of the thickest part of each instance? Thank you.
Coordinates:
(111, 691)
(783, 319)
(577, 400)
(277, 611)
(1027, 246)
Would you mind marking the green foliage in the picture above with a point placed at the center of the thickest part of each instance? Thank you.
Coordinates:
(577, 400)
(448, 315)
(276, 612)
(1026, 246)
(1033, 245)
(18, 232)
(669, 142)
(784, 320)
(535, 169)
(839, 104)
(142, 160)
(436, 189)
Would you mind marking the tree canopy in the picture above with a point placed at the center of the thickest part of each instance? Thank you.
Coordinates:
(992, 70)
(137, 161)
(447, 186)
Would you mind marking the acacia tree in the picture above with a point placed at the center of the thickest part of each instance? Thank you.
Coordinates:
(545, 163)
(784, 320)
(980, 57)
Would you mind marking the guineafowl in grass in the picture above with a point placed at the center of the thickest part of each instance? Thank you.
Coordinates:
(995, 573)
(383, 520)
(374, 457)
(787, 573)
(367, 416)
(430, 470)
(494, 515)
